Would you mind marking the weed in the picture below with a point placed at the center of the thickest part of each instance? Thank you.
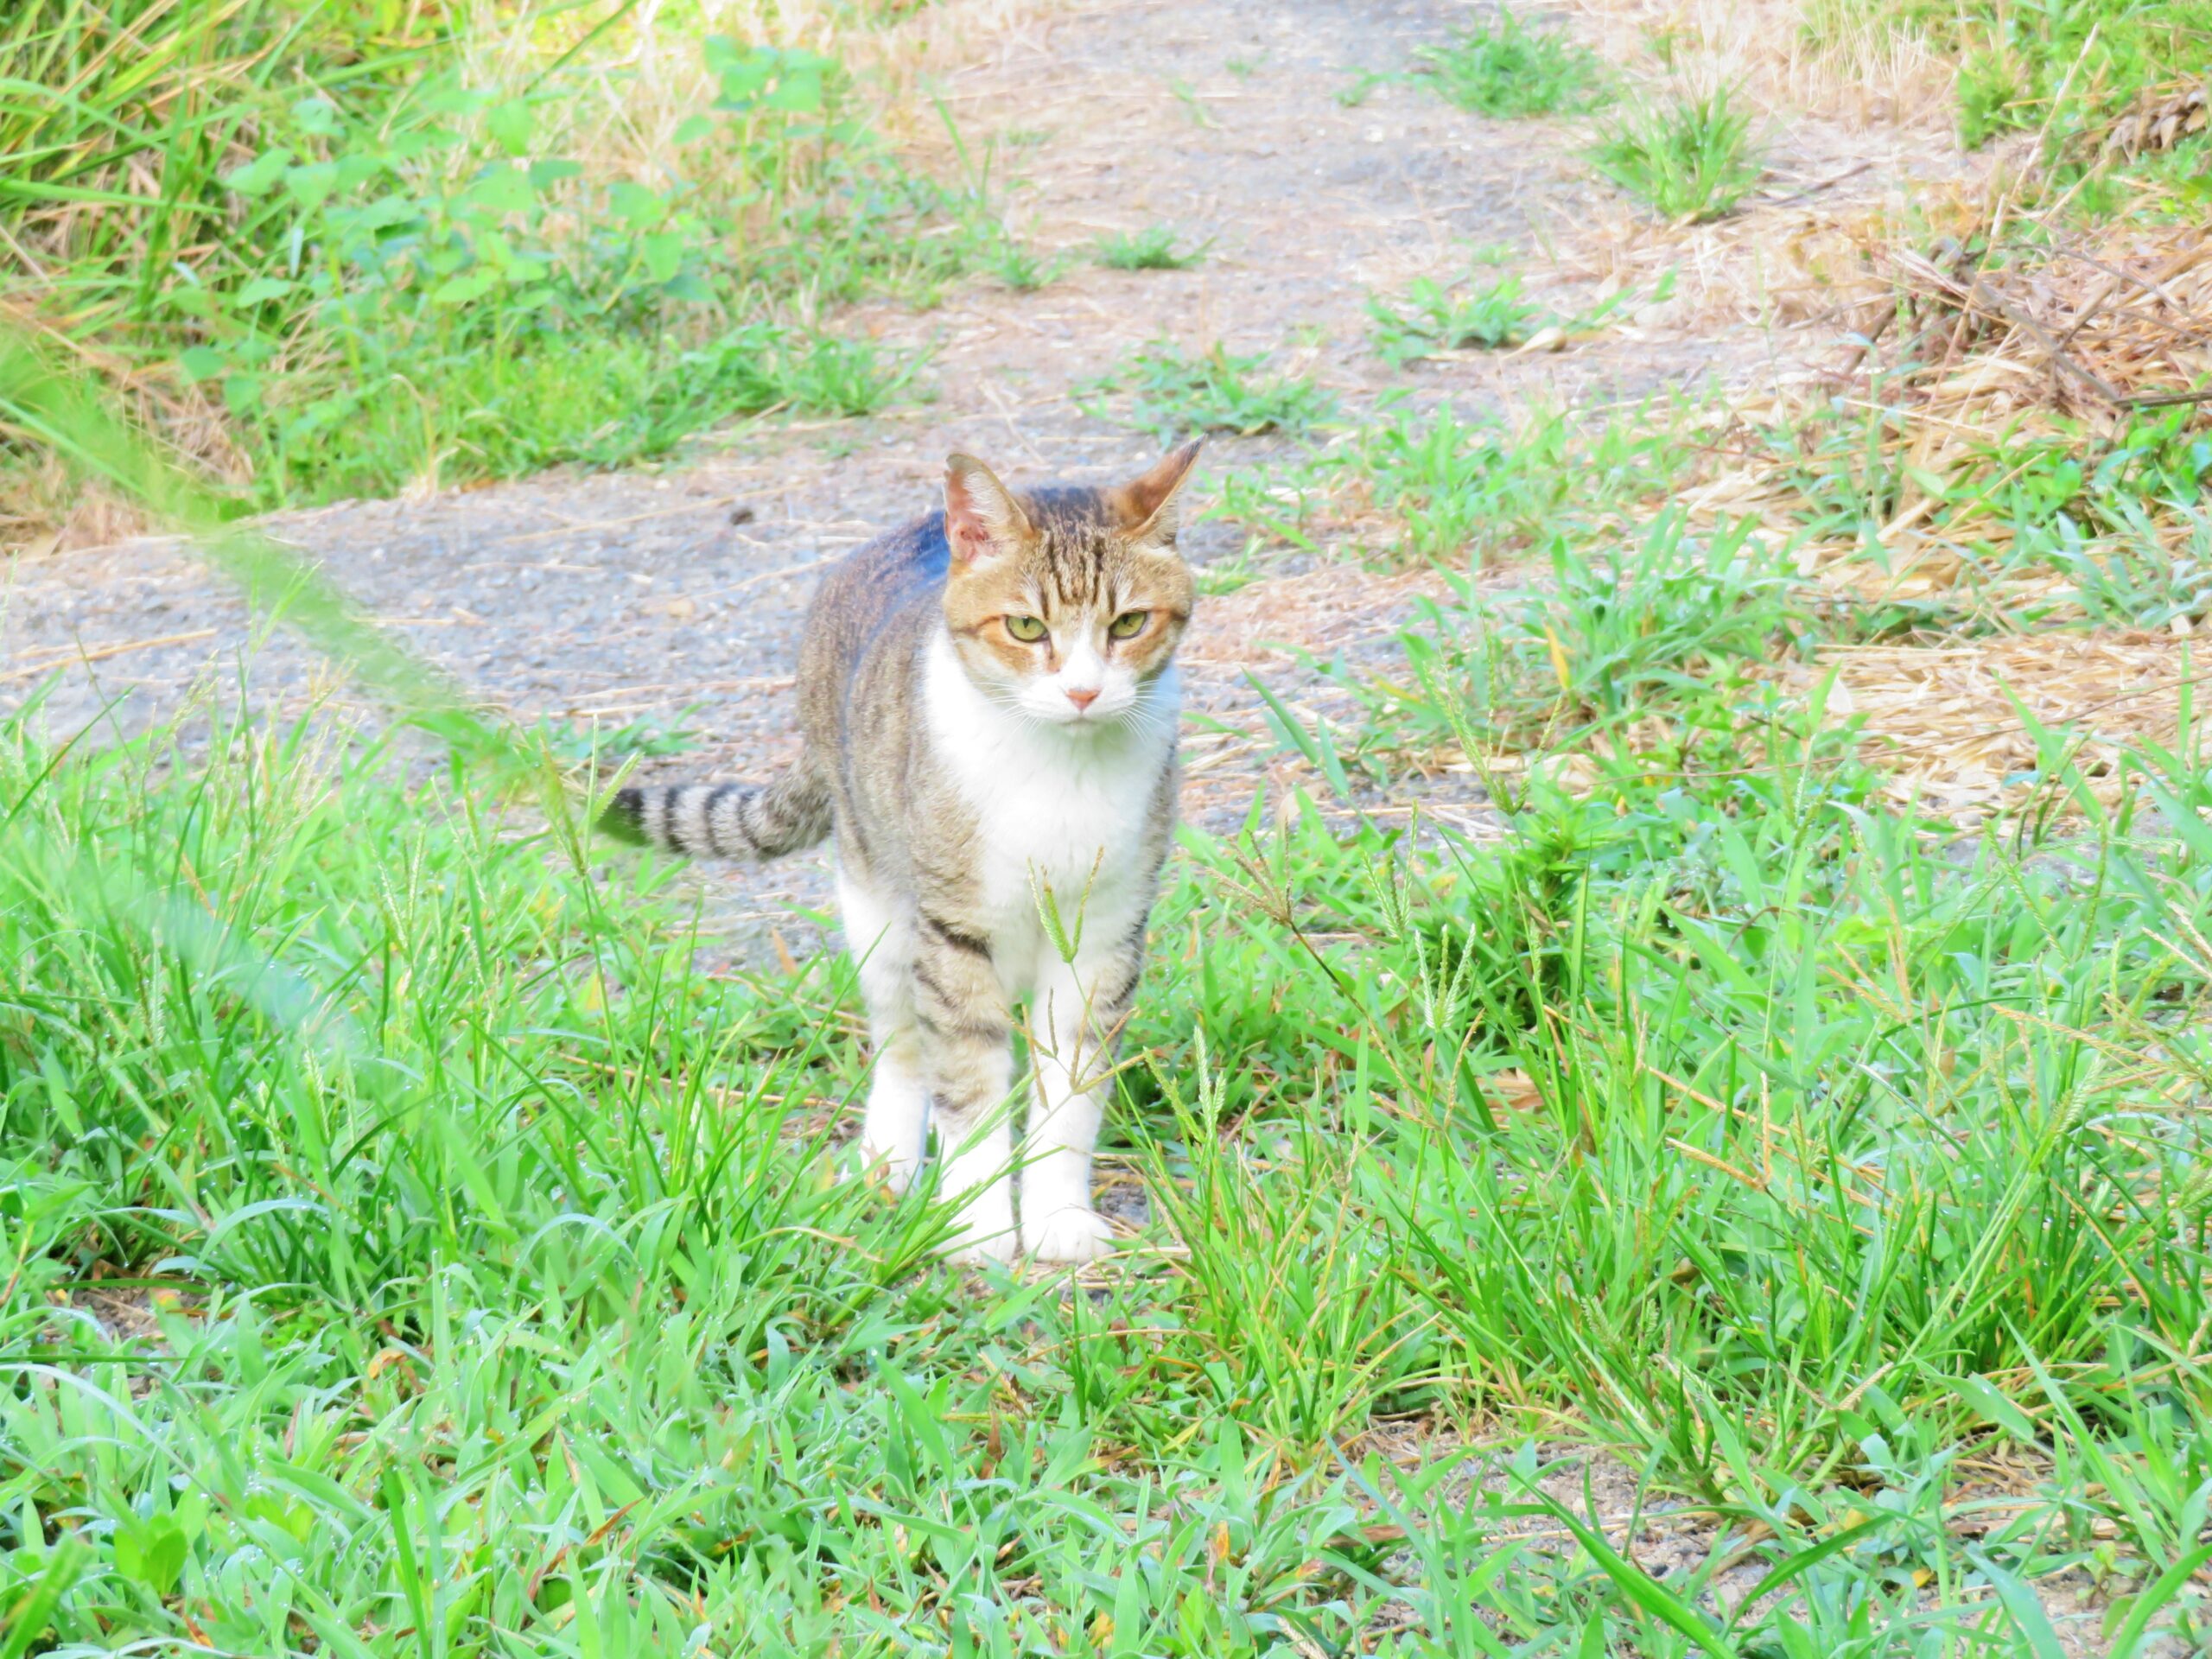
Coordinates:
(2060, 68)
(596, 401)
(2173, 184)
(1170, 391)
(1509, 69)
(1217, 577)
(1678, 615)
(1022, 267)
(1438, 476)
(2020, 71)
(1151, 249)
(1278, 503)
(576, 746)
(1470, 489)
(1691, 160)
(1435, 319)
(1193, 105)
(823, 374)
(1361, 87)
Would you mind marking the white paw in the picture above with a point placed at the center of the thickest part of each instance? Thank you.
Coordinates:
(985, 1231)
(1071, 1234)
(971, 1250)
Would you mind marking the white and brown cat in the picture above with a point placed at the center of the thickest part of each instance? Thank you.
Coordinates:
(988, 700)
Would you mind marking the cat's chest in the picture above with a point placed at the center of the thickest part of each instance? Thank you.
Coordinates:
(1070, 825)
(1072, 811)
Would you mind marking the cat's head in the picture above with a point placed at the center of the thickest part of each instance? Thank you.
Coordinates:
(1065, 604)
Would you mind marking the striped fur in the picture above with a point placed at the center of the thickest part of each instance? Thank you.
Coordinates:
(989, 701)
(724, 820)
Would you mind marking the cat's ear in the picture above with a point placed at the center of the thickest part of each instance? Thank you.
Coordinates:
(1149, 504)
(981, 519)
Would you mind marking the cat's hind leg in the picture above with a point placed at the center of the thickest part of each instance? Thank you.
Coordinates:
(882, 941)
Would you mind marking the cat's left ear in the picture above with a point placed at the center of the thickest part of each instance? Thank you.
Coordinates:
(1150, 506)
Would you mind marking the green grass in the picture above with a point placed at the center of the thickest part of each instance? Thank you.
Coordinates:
(2058, 67)
(1609, 640)
(358, 275)
(2113, 511)
(1021, 267)
(1507, 69)
(1151, 249)
(1468, 491)
(503, 1288)
(1163, 390)
(1693, 159)
(594, 402)
(1193, 105)
(494, 1289)
(1355, 92)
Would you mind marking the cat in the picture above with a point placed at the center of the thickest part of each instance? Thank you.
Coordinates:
(989, 702)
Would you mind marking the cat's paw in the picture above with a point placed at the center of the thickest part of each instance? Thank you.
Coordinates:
(1071, 1234)
(971, 1251)
(985, 1232)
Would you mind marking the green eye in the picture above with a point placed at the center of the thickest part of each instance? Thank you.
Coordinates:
(1129, 624)
(1028, 629)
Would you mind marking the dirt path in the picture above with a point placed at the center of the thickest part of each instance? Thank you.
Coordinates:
(641, 596)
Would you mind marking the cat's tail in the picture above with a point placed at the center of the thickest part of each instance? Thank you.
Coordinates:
(724, 820)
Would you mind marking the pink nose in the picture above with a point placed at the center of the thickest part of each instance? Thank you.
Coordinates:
(1083, 699)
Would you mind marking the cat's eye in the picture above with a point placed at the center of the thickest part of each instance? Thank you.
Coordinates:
(1129, 624)
(1028, 629)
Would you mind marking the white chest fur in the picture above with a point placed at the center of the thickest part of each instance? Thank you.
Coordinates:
(1060, 808)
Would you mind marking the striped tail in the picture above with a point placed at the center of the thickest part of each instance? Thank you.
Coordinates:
(750, 820)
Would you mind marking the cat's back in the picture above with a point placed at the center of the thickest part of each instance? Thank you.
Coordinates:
(869, 616)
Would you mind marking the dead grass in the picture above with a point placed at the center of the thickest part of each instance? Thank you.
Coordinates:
(44, 510)
(2096, 327)
(1953, 727)
(1805, 255)
(47, 506)
(1976, 346)
(1832, 59)
(2162, 118)
(1320, 612)
(1970, 335)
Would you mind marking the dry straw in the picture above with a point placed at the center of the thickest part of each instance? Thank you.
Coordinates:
(2117, 322)
(2004, 332)
(1955, 727)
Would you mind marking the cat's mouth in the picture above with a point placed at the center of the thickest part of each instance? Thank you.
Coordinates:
(1099, 715)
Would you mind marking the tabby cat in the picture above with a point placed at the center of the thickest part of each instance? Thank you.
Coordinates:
(989, 702)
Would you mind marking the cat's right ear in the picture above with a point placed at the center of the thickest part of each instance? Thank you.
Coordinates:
(981, 519)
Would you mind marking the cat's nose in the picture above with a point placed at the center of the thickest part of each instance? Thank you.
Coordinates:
(1083, 699)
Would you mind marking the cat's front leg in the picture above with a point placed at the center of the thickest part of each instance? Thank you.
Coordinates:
(1076, 1019)
(966, 1032)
